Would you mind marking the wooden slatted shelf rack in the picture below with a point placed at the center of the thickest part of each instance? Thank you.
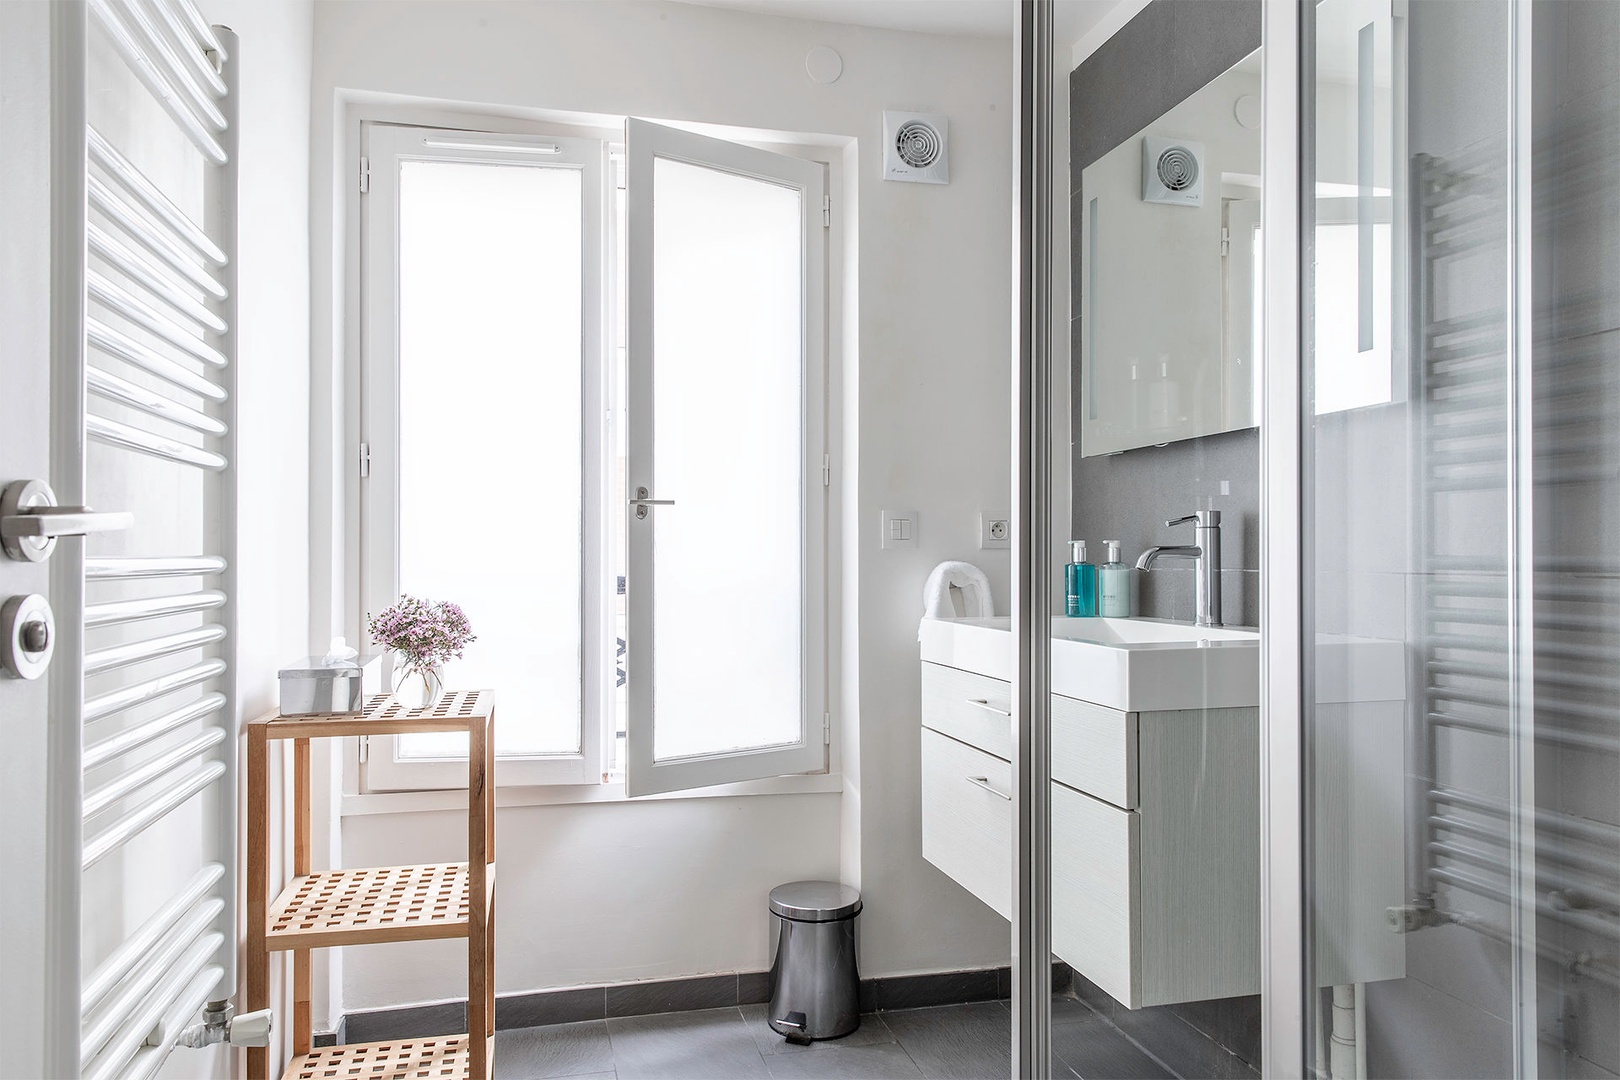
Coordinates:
(320, 909)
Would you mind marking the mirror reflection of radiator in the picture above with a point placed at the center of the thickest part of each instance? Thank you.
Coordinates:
(1466, 866)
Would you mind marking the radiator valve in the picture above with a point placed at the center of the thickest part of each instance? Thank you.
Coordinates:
(220, 1024)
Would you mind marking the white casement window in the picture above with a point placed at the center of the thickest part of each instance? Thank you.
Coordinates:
(727, 430)
(593, 388)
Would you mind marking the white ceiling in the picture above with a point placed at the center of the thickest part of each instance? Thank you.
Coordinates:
(983, 18)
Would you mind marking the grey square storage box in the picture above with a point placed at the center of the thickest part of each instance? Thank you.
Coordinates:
(315, 686)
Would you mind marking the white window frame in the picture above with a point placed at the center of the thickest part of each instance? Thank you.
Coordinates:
(378, 779)
(383, 146)
(645, 143)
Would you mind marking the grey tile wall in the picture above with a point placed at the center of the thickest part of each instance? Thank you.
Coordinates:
(1129, 496)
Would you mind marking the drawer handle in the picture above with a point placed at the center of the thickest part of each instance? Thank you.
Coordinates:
(981, 703)
(984, 782)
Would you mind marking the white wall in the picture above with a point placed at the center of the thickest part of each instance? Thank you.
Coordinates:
(604, 893)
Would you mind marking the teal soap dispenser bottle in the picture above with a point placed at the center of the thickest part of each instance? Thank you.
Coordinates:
(1114, 585)
(1080, 583)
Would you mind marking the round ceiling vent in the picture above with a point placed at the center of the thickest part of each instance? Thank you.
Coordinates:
(1178, 168)
(917, 143)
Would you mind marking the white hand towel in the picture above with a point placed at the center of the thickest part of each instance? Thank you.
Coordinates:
(971, 585)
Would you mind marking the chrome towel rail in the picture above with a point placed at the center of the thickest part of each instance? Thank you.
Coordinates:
(145, 442)
(199, 94)
(103, 1023)
(143, 818)
(153, 276)
(138, 311)
(175, 223)
(100, 798)
(193, 46)
(152, 74)
(104, 750)
(142, 941)
(104, 705)
(113, 388)
(186, 988)
(132, 567)
(156, 236)
(97, 661)
(150, 607)
(120, 345)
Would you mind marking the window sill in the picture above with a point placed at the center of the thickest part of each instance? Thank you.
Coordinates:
(412, 802)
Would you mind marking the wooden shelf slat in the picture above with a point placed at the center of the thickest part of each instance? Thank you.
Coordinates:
(386, 715)
(358, 907)
(443, 1057)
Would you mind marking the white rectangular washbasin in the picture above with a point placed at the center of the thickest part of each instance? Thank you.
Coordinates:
(1136, 665)
(1147, 665)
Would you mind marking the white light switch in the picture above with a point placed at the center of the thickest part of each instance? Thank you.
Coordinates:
(899, 528)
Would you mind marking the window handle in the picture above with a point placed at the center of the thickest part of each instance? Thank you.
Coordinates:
(984, 782)
(641, 502)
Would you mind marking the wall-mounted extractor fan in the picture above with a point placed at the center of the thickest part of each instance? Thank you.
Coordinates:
(1172, 171)
(916, 148)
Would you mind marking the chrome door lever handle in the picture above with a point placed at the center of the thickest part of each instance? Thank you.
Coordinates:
(64, 521)
(30, 520)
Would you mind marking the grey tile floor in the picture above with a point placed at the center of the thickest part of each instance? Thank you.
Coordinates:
(947, 1042)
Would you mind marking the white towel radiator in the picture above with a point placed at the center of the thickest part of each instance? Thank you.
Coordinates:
(143, 678)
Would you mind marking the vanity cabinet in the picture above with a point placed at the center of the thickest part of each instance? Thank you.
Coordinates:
(1155, 833)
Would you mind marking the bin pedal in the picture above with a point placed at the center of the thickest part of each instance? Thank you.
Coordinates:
(795, 1020)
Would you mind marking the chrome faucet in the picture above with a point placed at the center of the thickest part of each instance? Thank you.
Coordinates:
(1206, 553)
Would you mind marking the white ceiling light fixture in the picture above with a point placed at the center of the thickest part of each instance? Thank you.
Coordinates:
(916, 147)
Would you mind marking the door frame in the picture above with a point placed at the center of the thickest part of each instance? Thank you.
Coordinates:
(1286, 147)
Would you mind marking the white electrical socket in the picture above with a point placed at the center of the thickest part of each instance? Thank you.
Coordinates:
(995, 530)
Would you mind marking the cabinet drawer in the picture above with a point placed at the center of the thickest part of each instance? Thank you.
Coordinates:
(1094, 750)
(1096, 906)
(968, 707)
(967, 818)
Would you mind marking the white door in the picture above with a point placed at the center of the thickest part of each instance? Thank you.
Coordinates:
(30, 1005)
(117, 391)
(728, 471)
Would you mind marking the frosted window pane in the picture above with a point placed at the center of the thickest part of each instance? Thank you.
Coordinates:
(489, 421)
(728, 431)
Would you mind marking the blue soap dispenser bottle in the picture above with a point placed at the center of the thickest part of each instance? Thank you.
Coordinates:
(1080, 583)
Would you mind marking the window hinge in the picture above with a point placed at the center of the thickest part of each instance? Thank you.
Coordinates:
(826, 470)
(826, 729)
(365, 460)
(826, 211)
(1226, 241)
(365, 746)
(365, 175)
